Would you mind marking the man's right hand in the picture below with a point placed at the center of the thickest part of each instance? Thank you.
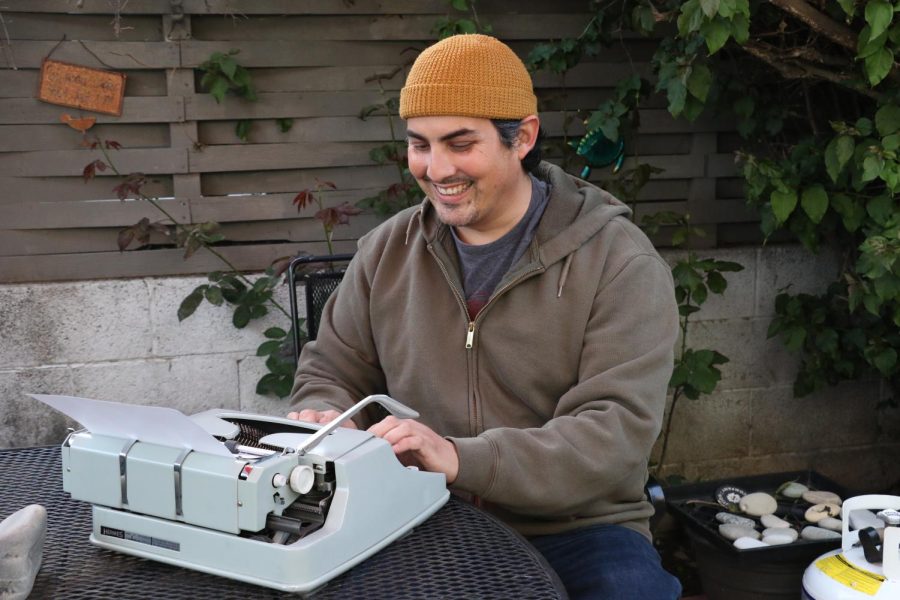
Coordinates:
(320, 416)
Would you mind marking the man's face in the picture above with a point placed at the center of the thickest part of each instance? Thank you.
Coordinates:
(473, 180)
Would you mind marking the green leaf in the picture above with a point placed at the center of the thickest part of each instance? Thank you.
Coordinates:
(887, 119)
(866, 45)
(228, 66)
(190, 304)
(214, 295)
(241, 316)
(878, 15)
(690, 18)
(284, 125)
(783, 204)
(864, 126)
(716, 282)
(266, 383)
(460, 5)
(275, 333)
(219, 88)
(872, 167)
(891, 142)
(885, 361)
(837, 153)
(242, 129)
(257, 311)
(466, 26)
(814, 201)
(709, 7)
(852, 213)
(878, 65)
(269, 347)
(715, 33)
(849, 6)
(881, 208)
(740, 28)
(699, 82)
(676, 95)
(283, 386)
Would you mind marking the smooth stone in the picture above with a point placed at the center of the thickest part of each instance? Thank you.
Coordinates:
(771, 521)
(831, 523)
(758, 504)
(778, 540)
(21, 550)
(733, 532)
(816, 513)
(745, 543)
(820, 497)
(811, 532)
(782, 532)
(863, 517)
(794, 490)
(732, 519)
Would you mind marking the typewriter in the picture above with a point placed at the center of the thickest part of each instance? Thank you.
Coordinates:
(270, 501)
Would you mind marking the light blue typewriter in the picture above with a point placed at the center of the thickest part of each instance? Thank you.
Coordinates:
(271, 501)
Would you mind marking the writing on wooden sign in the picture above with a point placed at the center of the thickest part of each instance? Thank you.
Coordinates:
(82, 87)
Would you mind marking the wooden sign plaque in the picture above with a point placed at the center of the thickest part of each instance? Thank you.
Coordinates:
(82, 87)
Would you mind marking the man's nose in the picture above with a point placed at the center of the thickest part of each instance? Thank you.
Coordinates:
(440, 166)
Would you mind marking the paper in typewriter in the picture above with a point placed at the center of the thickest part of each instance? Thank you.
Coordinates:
(151, 424)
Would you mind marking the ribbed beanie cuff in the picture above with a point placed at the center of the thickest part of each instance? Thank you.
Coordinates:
(468, 75)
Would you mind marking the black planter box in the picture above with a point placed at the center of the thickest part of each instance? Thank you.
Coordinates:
(770, 573)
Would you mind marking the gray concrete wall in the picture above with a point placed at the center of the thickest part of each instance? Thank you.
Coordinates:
(120, 340)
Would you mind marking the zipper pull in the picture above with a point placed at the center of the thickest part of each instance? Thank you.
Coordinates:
(470, 334)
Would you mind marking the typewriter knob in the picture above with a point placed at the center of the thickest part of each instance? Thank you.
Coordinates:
(302, 479)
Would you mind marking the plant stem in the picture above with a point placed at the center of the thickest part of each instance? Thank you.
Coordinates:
(210, 249)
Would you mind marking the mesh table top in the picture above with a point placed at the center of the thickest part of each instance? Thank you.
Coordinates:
(460, 552)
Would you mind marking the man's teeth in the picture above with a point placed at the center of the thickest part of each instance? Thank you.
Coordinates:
(454, 190)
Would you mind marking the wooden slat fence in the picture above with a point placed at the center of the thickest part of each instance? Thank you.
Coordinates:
(309, 61)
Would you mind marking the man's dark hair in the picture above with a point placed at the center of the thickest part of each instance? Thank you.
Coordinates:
(509, 131)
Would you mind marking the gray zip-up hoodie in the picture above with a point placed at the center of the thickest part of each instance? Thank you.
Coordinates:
(553, 395)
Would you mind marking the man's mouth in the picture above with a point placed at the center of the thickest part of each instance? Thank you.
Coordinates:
(452, 190)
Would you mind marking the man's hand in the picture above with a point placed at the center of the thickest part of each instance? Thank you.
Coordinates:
(418, 445)
(320, 416)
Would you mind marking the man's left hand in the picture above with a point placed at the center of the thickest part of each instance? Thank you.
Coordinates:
(418, 445)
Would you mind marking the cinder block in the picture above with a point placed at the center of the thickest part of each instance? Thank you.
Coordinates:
(25, 421)
(73, 322)
(830, 418)
(711, 427)
(739, 299)
(795, 268)
(209, 330)
(754, 360)
(190, 384)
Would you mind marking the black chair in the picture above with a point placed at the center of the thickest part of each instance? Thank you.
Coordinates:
(319, 276)
(320, 283)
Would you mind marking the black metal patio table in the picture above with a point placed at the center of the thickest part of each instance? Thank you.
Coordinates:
(460, 552)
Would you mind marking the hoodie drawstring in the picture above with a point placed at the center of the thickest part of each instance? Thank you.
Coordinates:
(564, 274)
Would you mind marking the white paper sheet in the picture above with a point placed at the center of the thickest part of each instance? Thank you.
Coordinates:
(152, 424)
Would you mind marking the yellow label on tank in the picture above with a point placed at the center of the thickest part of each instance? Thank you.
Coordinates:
(837, 567)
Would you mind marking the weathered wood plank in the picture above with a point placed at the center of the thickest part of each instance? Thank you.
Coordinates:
(23, 83)
(148, 263)
(49, 26)
(237, 8)
(399, 27)
(98, 54)
(73, 162)
(721, 165)
(251, 157)
(281, 105)
(60, 137)
(28, 214)
(292, 181)
(268, 207)
(147, 109)
(15, 190)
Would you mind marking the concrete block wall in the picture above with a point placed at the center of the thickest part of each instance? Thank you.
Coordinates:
(121, 340)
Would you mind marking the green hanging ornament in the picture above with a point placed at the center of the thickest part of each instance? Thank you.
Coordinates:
(599, 151)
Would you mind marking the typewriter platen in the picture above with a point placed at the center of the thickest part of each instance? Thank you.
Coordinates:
(275, 502)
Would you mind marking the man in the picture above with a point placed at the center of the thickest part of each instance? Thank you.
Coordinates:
(523, 315)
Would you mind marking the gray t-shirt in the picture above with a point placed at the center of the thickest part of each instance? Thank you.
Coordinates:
(483, 266)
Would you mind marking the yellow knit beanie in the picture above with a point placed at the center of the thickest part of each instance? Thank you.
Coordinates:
(469, 75)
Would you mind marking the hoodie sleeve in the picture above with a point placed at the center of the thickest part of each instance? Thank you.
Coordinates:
(591, 457)
(340, 367)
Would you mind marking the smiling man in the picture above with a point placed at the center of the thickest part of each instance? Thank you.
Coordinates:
(522, 314)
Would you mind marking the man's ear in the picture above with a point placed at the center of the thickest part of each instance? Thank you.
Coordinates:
(528, 133)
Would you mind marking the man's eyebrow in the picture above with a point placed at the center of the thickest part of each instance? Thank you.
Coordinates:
(453, 134)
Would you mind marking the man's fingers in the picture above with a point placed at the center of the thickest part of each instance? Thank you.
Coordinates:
(380, 428)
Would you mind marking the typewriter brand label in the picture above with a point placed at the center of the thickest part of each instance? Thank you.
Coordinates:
(141, 539)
